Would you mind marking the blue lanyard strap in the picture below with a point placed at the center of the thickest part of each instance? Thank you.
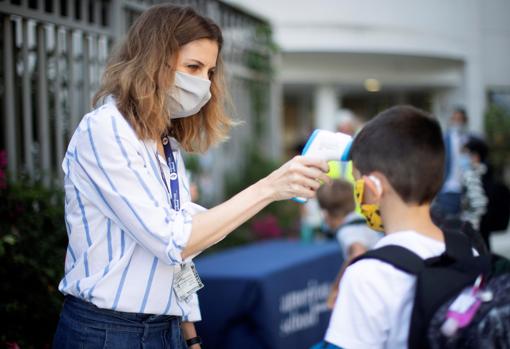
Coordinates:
(174, 178)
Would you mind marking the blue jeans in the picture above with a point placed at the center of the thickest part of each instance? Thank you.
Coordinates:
(83, 325)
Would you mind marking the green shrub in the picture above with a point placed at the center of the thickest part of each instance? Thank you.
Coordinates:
(497, 129)
(33, 242)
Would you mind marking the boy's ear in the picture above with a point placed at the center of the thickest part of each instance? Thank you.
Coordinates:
(374, 184)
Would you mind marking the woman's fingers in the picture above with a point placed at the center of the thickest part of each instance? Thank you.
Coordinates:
(299, 177)
(315, 174)
(302, 192)
(305, 183)
(306, 180)
(324, 178)
(315, 170)
(308, 171)
(312, 162)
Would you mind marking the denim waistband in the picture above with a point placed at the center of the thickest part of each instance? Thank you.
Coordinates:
(84, 311)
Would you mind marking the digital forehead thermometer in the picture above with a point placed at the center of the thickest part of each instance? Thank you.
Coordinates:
(326, 145)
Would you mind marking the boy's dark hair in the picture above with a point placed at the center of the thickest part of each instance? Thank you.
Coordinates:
(336, 198)
(406, 145)
(475, 145)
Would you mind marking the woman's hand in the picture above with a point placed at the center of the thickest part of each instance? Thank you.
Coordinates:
(299, 177)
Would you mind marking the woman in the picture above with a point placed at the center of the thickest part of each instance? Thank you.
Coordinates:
(132, 228)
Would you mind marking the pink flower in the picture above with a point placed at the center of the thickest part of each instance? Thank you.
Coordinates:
(3, 159)
(12, 345)
(266, 227)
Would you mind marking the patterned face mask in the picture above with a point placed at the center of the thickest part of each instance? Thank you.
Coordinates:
(370, 212)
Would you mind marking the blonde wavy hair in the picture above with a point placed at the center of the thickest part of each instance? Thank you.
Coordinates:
(141, 71)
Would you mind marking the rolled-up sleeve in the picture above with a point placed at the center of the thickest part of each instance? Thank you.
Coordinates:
(108, 168)
(194, 314)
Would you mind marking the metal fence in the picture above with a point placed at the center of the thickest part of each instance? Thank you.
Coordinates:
(53, 53)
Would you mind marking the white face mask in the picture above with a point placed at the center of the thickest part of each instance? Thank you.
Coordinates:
(188, 95)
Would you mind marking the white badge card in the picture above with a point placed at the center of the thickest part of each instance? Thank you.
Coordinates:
(187, 282)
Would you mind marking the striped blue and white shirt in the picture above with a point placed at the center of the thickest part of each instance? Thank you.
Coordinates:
(125, 240)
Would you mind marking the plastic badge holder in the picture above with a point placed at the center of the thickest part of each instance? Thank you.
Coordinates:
(326, 145)
(463, 309)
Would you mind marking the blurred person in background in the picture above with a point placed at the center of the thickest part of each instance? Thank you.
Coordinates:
(132, 227)
(497, 208)
(343, 223)
(448, 201)
(348, 123)
(474, 199)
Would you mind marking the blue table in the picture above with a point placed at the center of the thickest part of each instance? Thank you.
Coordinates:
(267, 295)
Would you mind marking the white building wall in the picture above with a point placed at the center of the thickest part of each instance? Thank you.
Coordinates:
(459, 47)
(428, 27)
(495, 48)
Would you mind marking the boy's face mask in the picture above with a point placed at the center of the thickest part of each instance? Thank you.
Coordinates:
(188, 96)
(370, 212)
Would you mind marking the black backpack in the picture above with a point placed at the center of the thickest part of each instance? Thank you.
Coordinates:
(439, 281)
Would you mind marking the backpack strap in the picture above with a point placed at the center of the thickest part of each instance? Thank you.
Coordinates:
(458, 246)
(397, 256)
(458, 249)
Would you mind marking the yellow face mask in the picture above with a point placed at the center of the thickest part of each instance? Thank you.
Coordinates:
(370, 212)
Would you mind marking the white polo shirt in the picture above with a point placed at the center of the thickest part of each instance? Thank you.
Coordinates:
(375, 300)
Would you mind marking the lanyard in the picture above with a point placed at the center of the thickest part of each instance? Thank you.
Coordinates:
(174, 178)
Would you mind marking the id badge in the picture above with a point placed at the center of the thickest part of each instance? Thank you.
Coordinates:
(187, 282)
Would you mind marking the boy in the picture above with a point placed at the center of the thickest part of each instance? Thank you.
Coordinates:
(341, 221)
(398, 161)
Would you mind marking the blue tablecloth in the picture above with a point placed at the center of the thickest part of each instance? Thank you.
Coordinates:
(267, 295)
